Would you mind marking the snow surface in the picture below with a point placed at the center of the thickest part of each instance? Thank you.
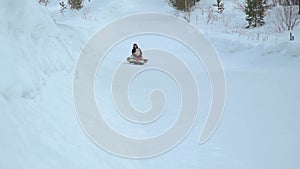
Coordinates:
(38, 124)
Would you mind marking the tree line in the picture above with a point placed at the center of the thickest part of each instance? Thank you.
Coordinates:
(255, 10)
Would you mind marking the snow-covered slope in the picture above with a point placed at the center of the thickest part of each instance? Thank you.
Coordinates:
(32, 46)
(38, 123)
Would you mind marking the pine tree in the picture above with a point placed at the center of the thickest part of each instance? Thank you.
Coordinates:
(63, 7)
(45, 2)
(220, 6)
(255, 12)
(75, 4)
(186, 6)
(183, 5)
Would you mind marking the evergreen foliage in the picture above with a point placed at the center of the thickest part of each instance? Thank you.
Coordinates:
(75, 4)
(255, 12)
(183, 5)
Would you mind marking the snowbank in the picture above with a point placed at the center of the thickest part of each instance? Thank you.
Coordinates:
(31, 46)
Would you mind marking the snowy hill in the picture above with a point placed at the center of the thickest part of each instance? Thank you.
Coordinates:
(32, 46)
(39, 126)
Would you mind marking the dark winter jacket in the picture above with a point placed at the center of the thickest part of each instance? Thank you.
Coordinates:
(133, 50)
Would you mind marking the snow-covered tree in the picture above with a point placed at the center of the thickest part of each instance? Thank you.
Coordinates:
(63, 7)
(255, 12)
(45, 2)
(220, 6)
(75, 4)
(186, 6)
(183, 5)
(288, 14)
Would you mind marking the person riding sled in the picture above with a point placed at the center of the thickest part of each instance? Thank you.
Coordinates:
(136, 51)
(136, 56)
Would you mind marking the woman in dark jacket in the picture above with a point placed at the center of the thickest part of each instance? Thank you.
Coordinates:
(136, 51)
